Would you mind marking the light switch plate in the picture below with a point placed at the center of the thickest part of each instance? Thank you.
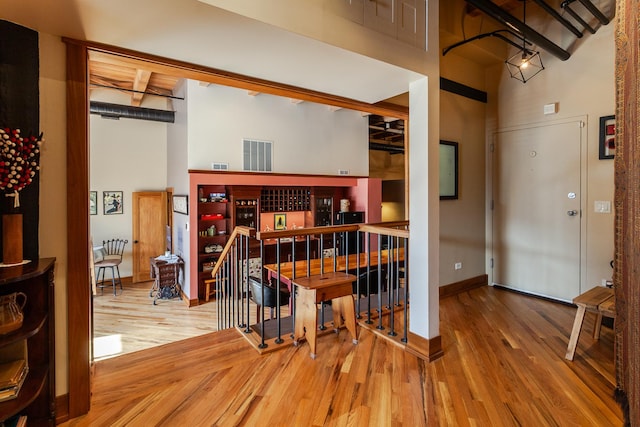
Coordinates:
(602, 206)
(551, 108)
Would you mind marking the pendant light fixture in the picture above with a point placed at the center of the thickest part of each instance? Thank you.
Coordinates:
(526, 63)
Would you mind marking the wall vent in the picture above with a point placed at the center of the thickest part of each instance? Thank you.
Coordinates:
(257, 155)
(218, 166)
(343, 171)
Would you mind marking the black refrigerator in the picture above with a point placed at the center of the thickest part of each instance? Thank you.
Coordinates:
(349, 240)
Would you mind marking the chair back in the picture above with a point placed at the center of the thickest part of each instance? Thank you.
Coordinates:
(114, 247)
(270, 298)
(369, 281)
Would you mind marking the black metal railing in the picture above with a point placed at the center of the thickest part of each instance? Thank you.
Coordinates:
(255, 271)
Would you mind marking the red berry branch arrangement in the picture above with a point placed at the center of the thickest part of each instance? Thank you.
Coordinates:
(19, 161)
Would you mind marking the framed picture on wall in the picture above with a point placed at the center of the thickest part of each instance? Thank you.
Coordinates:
(93, 203)
(181, 204)
(448, 170)
(607, 137)
(112, 202)
(280, 221)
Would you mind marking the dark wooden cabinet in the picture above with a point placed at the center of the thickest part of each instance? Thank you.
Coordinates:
(36, 398)
(322, 205)
(214, 227)
(245, 203)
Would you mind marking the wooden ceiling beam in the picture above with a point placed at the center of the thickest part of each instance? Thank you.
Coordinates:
(140, 84)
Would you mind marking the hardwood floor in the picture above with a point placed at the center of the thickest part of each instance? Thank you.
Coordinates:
(130, 322)
(503, 366)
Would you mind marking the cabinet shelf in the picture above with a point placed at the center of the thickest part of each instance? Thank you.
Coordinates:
(35, 339)
(31, 389)
(31, 326)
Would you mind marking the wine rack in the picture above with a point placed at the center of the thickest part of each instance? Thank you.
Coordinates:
(289, 199)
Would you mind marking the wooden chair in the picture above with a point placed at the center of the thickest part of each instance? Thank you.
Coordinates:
(109, 256)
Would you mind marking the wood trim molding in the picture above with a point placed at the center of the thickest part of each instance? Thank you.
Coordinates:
(78, 300)
(78, 280)
(463, 286)
(62, 408)
(426, 349)
(212, 75)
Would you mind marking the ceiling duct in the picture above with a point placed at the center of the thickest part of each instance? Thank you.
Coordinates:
(117, 111)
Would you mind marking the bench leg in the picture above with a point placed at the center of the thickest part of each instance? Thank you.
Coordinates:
(575, 333)
(597, 326)
(306, 324)
(343, 309)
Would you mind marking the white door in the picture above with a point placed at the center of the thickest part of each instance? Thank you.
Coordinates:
(537, 209)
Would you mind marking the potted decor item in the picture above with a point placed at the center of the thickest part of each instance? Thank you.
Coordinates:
(19, 163)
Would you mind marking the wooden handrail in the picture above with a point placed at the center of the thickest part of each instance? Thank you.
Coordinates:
(238, 231)
(386, 228)
(307, 231)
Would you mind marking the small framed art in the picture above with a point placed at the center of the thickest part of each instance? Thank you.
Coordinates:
(181, 204)
(280, 221)
(93, 203)
(607, 137)
(112, 202)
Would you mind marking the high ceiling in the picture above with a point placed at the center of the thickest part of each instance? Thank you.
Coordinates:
(139, 79)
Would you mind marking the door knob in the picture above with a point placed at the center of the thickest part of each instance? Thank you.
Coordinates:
(572, 213)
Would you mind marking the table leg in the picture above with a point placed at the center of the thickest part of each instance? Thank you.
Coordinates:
(575, 333)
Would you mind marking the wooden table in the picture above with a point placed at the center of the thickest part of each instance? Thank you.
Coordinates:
(599, 300)
(312, 290)
(343, 263)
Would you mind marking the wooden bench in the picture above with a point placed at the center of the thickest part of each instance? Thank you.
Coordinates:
(599, 300)
(207, 291)
(335, 286)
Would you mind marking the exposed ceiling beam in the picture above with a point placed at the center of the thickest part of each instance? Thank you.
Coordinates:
(561, 19)
(140, 84)
(529, 33)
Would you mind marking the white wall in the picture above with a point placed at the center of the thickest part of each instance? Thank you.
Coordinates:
(125, 155)
(53, 186)
(178, 177)
(220, 117)
(582, 85)
(462, 234)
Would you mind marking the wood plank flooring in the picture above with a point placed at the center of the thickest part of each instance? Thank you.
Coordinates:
(503, 366)
(129, 321)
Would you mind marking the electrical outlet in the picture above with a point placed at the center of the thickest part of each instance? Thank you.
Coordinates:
(457, 266)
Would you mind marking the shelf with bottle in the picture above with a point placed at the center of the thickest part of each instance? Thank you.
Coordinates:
(246, 213)
(287, 199)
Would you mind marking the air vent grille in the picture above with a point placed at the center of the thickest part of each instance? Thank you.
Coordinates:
(257, 155)
(218, 166)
